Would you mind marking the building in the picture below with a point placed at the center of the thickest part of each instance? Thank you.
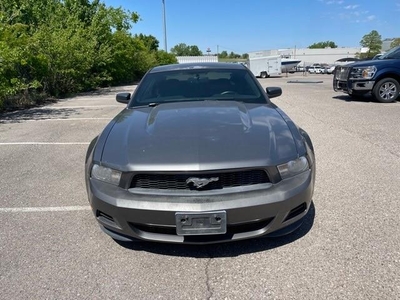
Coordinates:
(311, 56)
(197, 59)
(386, 44)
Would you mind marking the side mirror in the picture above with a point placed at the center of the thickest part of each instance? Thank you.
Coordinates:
(273, 92)
(123, 97)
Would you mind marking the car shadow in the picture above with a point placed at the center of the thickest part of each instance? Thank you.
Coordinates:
(347, 98)
(230, 249)
(104, 91)
(36, 114)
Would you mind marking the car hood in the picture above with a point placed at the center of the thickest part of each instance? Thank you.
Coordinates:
(196, 136)
(376, 62)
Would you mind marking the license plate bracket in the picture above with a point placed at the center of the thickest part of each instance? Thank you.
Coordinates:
(207, 223)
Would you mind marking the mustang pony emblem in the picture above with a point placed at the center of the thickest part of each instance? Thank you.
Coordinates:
(201, 182)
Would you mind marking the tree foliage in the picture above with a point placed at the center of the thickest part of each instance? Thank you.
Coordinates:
(186, 50)
(234, 55)
(323, 45)
(395, 43)
(149, 41)
(373, 41)
(56, 47)
(224, 54)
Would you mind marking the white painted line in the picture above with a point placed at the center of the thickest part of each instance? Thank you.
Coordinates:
(42, 209)
(79, 106)
(42, 143)
(63, 119)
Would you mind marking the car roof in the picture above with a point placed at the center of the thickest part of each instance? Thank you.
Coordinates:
(191, 66)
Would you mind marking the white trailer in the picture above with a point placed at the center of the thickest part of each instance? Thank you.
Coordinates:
(265, 66)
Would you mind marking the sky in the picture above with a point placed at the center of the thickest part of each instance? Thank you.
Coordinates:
(244, 26)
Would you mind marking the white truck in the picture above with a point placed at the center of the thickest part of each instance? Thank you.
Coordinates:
(265, 66)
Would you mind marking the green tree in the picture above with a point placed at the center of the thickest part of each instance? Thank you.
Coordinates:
(323, 45)
(164, 58)
(223, 54)
(55, 47)
(186, 50)
(233, 55)
(245, 55)
(373, 41)
(149, 41)
(195, 51)
(395, 43)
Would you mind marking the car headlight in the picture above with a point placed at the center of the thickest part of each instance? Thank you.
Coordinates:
(293, 167)
(106, 174)
(363, 72)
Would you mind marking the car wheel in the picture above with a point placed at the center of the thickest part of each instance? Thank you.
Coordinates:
(386, 90)
(263, 75)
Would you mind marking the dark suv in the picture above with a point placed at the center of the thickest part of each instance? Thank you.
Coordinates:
(381, 77)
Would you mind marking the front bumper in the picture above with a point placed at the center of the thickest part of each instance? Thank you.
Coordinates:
(353, 87)
(126, 216)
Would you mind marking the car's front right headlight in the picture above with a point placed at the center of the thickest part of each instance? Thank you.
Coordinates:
(293, 167)
(363, 72)
(106, 174)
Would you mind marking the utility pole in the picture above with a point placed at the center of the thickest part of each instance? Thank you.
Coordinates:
(165, 27)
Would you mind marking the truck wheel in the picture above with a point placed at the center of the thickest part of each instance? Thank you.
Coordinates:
(263, 75)
(386, 90)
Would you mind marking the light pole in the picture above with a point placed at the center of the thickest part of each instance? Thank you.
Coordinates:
(165, 27)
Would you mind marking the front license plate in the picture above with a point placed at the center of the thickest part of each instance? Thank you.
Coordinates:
(188, 223)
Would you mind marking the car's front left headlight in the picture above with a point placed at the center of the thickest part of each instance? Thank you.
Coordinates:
(363, 72)
(293, 167)
(106, 174)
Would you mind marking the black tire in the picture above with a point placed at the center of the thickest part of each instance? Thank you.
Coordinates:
(263, 75)
(386, 90)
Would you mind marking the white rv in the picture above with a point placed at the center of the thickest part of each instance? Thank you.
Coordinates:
(265, 66)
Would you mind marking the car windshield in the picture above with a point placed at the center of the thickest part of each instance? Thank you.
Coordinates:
(394, 53)
(197, 85)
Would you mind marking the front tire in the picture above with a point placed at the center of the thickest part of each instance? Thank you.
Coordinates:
(263, 75)
(386, 90)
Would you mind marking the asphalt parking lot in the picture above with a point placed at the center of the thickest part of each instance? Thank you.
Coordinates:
(349, 247)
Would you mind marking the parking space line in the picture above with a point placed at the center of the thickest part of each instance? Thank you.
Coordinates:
(65, 119)
(43, 209)
(77, 106)
(43, 143)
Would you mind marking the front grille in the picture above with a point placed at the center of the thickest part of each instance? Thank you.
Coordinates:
(178, 181)
(342, 73)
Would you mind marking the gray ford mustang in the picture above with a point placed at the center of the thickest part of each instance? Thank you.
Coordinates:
(200, 155)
